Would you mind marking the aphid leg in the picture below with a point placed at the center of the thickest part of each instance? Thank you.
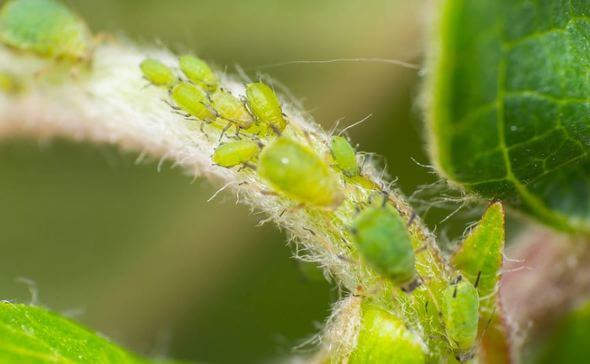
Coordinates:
(410, 287)
(477, 279)
(412, 218)
(275, 129)
(247, 165)
(309, 231)
(225, 128)
(421, 249)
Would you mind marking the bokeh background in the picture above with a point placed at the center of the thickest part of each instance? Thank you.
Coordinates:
(140, 255)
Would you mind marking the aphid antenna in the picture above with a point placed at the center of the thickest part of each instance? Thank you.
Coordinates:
(335, 126)
(355, 124)
(391, 61)
(242, 73)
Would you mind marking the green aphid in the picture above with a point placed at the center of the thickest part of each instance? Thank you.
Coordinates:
(46, 28)
(199, 72)
(460, 313)
(265, 105)
(235, 153)
(383, 338)
(344, 156)
(384, 243)
(231, 109)
(193, 100)
(296, 171)
(157, 73)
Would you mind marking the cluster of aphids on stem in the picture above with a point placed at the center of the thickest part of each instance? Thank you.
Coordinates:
(255, 133)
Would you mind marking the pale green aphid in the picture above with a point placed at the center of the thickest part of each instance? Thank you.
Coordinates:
(46, 28)
(265, 105)
(199, 72)
(344, 156)
(235, 153)
(157, 73)
(231, 109)
(193, 100)
(296, 171)
(383, 338)
(384, 242)
(460, 313)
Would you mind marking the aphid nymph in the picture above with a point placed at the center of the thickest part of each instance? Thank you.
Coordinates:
(294, 170)
(157, 73)
(384, 242)
(235, 153)
(344, 156)
(199, 72)
(193, 100)
(231, 109)
(265, 106)
(460, 313)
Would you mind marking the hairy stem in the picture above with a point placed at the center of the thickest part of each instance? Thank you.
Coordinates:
(108, 102)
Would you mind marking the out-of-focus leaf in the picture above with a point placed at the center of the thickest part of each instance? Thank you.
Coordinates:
(569, 342)
(509, 109)
(30, 334)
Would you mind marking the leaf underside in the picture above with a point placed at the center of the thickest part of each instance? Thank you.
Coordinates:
(510, 104)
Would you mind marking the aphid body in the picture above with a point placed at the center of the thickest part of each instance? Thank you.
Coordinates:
(460, 313)
(265, 105)
(157, 73)
(46, 28)
(235, 153)
(296, 171)
(193, 100)
(383, 338)
(231, 109)
(199, 72)
(384, 242)
(344, 156)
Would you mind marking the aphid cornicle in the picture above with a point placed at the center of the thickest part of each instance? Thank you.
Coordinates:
(384, 243)
(383, 338)
(265, 105)
(157, 73)
(199, 72)
(344, 156)
(46, 28)
(460, 313)
(296, 171)
(231, 109)
(193, 100)
(235, 153)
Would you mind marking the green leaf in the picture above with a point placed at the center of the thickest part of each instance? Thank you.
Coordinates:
(30, 334)
(480, 253)
(509, 104)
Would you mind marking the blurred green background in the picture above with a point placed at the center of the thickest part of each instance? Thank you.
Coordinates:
(139, 255)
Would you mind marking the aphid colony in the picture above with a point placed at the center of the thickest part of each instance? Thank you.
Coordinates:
(288, 166)
(263, 141)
